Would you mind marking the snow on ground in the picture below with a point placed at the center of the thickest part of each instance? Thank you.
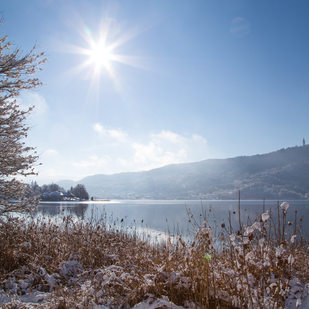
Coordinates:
(152, 303)
(24, 294)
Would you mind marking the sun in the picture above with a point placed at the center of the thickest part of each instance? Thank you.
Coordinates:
(101, 62)
(100, 55)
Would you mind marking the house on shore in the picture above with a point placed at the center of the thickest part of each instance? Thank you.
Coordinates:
(58, 196)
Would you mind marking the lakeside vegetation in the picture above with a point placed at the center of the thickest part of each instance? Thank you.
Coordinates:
(65, 263)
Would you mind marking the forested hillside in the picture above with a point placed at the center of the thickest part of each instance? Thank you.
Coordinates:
(283, 174)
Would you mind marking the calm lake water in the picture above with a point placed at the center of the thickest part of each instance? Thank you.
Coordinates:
(161, 217)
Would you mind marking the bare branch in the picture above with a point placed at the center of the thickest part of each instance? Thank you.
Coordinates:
(16, 159)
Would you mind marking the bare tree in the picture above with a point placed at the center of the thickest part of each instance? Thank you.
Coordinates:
(80, 192)
(16, 159)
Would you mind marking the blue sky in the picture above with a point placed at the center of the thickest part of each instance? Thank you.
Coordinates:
(135, 85)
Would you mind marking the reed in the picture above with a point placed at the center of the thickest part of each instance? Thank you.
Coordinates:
(73, 263)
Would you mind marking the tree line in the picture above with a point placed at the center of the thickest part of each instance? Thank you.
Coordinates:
(79, 191)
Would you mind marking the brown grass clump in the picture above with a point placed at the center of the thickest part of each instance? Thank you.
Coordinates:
(76, 264)
(70, 258)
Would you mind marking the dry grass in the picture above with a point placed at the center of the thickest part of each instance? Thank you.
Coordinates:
(75, 253)
(81, 265)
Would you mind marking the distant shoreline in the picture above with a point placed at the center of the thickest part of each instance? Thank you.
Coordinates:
(177, 200)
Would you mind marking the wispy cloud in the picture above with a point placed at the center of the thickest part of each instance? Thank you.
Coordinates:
(163, 148)
(199, 138)
(146, 153)
(117, 134)
(152, 156)
(29, 99)
(149, 151)
(177, 138)
(51, 152)
(92, 161)
(169, 136)
(130, 153)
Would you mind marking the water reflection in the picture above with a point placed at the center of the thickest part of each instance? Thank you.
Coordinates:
(158, 218)
(56, 209)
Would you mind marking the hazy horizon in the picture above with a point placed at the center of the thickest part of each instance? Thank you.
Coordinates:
(41, 181)
(132, 86)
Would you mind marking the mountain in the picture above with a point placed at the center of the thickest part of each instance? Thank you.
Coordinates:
(66, 183)
(283, 174)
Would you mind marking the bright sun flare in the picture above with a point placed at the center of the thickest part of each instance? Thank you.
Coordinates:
(100, 55)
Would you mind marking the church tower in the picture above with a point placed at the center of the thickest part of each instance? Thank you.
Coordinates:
(304, 142)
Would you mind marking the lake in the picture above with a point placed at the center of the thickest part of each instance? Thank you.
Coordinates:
(154, 218)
